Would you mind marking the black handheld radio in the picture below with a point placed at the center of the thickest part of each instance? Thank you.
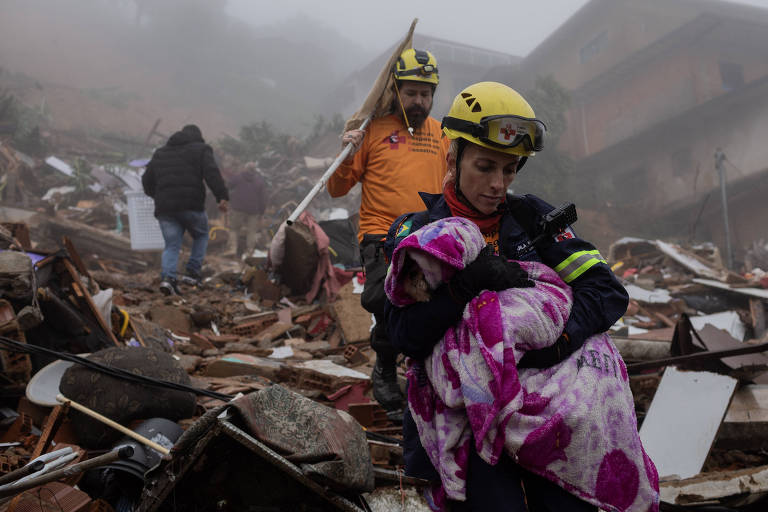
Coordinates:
(551, 224)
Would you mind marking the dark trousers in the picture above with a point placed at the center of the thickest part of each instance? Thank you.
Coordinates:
(374, 297)
(505, 487)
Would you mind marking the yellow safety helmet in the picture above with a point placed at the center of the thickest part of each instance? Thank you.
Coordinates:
(417, 66)
(497, 117)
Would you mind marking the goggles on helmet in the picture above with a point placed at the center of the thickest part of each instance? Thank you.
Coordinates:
(425, 70)
(503, 131)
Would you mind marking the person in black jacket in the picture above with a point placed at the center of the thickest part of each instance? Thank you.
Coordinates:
(493, 131)
(175, 178)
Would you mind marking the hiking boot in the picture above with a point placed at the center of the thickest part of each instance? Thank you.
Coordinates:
(386, 390)
(192, 279)
(395, 416)
(169, 287)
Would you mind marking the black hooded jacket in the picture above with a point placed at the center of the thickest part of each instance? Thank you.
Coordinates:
(176, 176)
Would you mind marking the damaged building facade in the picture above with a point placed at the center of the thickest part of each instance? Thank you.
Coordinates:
(656, 89)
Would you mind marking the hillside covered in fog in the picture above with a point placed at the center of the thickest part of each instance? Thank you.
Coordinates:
(116, 66)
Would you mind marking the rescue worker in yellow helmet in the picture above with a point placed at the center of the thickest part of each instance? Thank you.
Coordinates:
(493, 132)
(420, 67)
(393, 166)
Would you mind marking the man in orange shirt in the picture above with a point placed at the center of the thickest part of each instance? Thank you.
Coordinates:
(399, 156)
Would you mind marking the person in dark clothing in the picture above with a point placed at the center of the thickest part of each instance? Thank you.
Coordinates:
(248, 200)
(493, 131)
(175, 178)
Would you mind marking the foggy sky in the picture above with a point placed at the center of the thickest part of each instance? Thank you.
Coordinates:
(511, 26)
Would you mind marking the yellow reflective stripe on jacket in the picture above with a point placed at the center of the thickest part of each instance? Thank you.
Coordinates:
(578, 263)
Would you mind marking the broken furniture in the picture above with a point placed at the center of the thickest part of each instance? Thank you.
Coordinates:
(303, 456)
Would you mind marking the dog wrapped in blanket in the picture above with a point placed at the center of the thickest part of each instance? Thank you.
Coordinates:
(573, 423)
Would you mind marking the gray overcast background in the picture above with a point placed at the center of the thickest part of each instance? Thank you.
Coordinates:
(511, 26)
(111, 65)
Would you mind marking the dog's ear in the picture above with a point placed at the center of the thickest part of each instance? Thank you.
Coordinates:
(409, 265)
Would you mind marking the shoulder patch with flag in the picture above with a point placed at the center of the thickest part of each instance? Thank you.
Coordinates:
(565, 234)
(404, 228)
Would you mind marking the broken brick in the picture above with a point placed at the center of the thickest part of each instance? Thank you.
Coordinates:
(370, 415)
(253, 327)
(265, 337)
(222, 339)
(354, 356)
(201, 341)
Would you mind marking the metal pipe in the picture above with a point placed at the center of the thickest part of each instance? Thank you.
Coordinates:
(48, 457)
(324, 178)
(16, 474)
(48, 468)
(124, 452)
(35, 465)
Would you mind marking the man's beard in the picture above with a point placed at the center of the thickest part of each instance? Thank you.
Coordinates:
(416, 116)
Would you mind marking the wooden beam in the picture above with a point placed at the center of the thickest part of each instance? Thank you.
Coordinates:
(75, 256)
(713, 487)
(699, 356)
(83, 293)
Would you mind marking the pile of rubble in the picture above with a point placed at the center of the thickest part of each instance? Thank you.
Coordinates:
(71, 284)
(694, 338)
(243, 361)
(236, 334)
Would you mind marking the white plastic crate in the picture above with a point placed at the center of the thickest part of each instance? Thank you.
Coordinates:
(144, 227)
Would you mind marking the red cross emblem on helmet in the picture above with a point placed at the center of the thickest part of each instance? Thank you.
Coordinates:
(507, 131)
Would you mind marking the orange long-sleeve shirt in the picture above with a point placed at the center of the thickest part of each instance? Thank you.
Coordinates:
(393, 168)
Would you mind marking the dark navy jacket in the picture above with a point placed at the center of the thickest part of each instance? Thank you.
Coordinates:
(598, 297)
(598, 301)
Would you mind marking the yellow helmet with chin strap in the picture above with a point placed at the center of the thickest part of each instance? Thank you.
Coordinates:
(417, 66)
(497, 117)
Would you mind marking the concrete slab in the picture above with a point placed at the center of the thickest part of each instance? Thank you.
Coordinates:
(683, 420)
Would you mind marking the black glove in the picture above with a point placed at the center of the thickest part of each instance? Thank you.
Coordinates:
(547, 356)
(487, 272)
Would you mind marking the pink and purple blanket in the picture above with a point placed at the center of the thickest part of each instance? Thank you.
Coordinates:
(573, 423)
